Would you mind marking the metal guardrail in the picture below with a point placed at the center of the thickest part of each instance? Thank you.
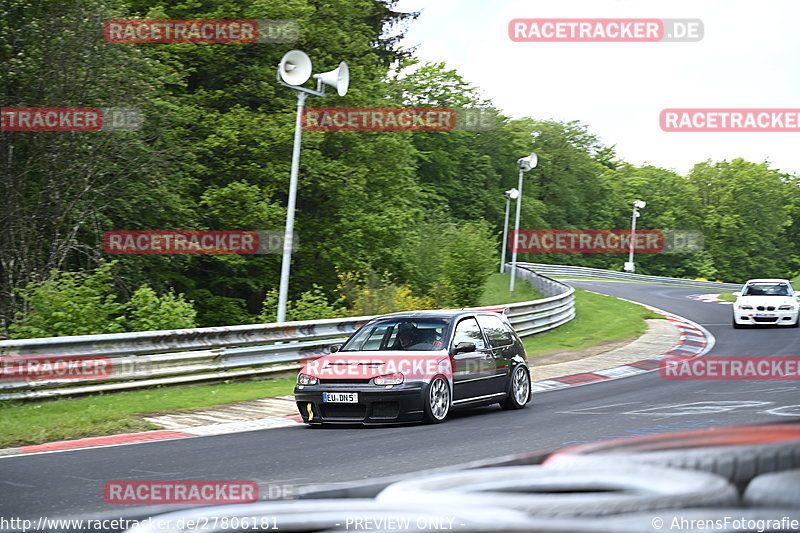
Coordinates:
(586, 272)
(150, 358)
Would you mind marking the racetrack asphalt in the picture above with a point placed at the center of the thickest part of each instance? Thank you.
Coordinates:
(71, 483)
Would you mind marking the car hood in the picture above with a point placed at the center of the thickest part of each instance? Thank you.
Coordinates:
(367, 365)
(766, 300)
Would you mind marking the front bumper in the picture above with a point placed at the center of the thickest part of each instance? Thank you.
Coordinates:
(779, 318)
(376, 404)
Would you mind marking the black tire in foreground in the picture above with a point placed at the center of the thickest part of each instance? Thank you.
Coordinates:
(737, 453)
(774, 490)
(588, 490)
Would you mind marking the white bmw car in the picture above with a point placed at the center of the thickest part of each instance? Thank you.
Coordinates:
(768, 302)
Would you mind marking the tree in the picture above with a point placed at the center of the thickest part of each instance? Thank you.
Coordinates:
(60, 190)
(745, 218)
(467, 260)
(70, 303)
(311, 305)
(147, 311)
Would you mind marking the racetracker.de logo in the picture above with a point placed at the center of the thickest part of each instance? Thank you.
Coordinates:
(69, 119)
(360, 367)
(397, 119)
(605, 30)
(200, 31)
(54, 367)
(196, 242)
(730, 120)
(203, 492)
(549, 241)
(730, 368)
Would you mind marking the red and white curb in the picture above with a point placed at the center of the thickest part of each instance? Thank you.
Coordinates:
(694, 341)
(271, 422)
(708, 298)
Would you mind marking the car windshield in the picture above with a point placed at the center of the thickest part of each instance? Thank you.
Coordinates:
(398, 334)
(766, 289)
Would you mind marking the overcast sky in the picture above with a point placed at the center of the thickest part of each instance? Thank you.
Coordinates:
(749, 58)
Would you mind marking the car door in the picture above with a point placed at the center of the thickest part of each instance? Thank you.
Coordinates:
(501, 344)
(472, 370)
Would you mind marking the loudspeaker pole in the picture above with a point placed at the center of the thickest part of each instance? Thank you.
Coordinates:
(283, 290)
(293, 71)
(524, 164)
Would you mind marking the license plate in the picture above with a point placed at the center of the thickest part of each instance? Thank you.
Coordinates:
(340, 397)
(765, 315)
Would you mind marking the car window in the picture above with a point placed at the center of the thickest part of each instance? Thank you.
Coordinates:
(383, 335)
(421, 337)
(496, 331)
(371, 339)
(767, 289)
(468, 331)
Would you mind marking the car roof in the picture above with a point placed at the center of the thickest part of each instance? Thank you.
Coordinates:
(768, 280)
(440, 313)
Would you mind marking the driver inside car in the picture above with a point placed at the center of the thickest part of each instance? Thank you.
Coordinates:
(406, 336)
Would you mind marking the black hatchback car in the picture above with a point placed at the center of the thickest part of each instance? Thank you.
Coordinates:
(416, 366)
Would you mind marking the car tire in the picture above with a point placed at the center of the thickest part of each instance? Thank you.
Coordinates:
(437, 401)
(796, 322)
(519, 389)
(335, 514)
(774, 490)
(737, 453)
(591, 490)
(737, 326)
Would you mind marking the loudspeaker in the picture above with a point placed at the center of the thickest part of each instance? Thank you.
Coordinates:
(295, 67)
(527, 163)
(338, 78)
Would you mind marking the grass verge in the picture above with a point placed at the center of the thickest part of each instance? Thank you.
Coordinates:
(496, 291)
(727, 297)
(676, 284)
(599, 319)
(107, 414)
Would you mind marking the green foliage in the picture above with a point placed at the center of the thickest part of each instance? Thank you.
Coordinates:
(599, 319)
(311, 305)
(371, 294)
(745, 214)
(701, 265)
(496, 291)
(70, 303)
(467, 260)
(121, 412)
(149, 311)
(220, 310)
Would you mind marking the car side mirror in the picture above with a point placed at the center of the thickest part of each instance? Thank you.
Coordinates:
(335, 348)
(737, 294)
(464, 347)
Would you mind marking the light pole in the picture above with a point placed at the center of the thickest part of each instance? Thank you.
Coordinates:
(293, 71)
(524, 164)
(637, 204)
(510, 194)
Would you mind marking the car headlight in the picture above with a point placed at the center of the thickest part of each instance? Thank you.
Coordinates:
(750, 307)
(305, 379)
(786, 308)
(389, 379)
